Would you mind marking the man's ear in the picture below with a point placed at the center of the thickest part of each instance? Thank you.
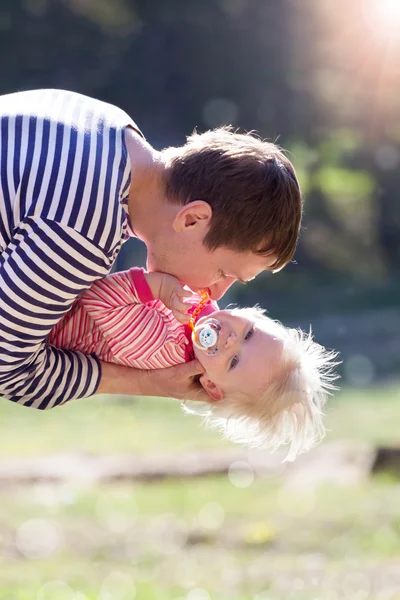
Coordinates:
(195, 214)
(212, 390)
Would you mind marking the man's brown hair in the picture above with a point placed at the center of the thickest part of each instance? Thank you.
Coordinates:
(250, 185)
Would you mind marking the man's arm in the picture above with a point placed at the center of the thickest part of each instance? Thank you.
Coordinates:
(173, 382)
(45, 266)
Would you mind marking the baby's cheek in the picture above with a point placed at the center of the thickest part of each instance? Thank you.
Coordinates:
(214, 371)
(225, 379)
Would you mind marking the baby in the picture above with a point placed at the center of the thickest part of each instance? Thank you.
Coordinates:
(266, 384)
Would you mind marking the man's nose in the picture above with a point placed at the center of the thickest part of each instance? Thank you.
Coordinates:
(218, 289)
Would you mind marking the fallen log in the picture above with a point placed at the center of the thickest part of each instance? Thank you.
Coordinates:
(337, 462)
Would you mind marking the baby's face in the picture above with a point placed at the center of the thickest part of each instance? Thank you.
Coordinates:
(247, 359)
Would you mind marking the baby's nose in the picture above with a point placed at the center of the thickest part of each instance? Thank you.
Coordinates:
(230, 341)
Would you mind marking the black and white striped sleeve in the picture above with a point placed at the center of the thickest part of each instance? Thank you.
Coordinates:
(44, 268)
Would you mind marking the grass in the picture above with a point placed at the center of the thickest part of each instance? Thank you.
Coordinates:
(202, 539)
(162, 540)
(104, 426)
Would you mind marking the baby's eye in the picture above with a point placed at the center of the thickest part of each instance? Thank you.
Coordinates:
(234, 362)
(249, 334)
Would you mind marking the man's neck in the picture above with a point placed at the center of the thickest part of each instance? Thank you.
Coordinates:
(147, 206)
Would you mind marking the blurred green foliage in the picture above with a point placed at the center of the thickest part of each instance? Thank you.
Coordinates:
(320, 77)
(118, 425)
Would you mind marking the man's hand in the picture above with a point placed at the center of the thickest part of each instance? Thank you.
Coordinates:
(173, 382)
(171, 293)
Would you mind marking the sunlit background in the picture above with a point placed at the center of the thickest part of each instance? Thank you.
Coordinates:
(122, 499)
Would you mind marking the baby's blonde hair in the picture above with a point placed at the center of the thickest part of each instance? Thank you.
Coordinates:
(290, 408)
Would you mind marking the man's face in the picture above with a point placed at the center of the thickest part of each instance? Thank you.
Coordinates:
(200, 268)
(176, 246)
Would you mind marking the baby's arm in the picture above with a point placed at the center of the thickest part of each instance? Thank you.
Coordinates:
(118, 300)
(123, 310)
(171, 293)
(117, 290)
(135, 287)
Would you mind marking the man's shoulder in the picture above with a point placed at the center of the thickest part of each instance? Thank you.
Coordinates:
(69, 150)
(65, 107)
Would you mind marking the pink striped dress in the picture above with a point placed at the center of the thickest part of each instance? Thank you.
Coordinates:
(118, 320)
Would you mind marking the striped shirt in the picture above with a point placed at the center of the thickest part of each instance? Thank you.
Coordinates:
(119, 321)
(64, 183)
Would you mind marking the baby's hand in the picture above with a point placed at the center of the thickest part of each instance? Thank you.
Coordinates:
(172, 294)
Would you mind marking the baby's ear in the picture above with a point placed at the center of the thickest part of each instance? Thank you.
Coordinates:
(212, 390)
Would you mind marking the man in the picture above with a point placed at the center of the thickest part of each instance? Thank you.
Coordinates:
(77, 178)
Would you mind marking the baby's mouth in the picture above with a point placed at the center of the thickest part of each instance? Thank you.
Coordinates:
(206, 335)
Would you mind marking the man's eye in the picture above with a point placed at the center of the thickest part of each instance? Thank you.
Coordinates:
(234, 362)
(249, 334)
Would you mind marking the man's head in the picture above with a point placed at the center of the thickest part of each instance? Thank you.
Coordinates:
(235, 207)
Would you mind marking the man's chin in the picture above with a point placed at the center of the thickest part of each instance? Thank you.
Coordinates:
(198, 290)
(155, 262)
(155, 266)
